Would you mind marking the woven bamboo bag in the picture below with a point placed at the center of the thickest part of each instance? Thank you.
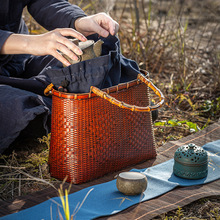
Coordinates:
(93, 134)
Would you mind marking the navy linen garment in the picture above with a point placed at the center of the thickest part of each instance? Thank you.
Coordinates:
(50, 14)
(22, 78)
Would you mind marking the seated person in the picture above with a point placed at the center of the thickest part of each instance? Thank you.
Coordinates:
(24, 56)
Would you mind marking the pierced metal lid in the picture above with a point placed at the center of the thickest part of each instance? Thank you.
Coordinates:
(191, 154)
(191, 162)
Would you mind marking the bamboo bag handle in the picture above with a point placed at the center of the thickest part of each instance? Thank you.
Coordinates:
(121, 104)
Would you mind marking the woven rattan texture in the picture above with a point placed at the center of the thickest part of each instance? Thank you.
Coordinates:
(91, 137)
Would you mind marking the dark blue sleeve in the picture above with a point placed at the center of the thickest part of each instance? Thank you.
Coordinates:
(53, 14)
(3, 37)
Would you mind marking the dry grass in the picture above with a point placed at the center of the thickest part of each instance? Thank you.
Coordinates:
(178, 43)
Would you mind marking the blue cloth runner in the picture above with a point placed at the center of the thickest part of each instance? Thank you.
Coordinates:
(104, 199)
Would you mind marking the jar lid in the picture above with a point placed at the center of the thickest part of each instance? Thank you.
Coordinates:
(86, 44)
(190, 162)
(191, 154)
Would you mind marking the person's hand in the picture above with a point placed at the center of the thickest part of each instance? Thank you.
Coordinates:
(49, 43)
(55, 41)
(101, 24)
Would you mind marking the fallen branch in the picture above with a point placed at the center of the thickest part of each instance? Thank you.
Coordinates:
(21, 179)
(10, 167)
(37, 179)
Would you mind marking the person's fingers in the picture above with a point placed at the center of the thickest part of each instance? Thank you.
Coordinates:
(112, 27)
(100, 23)
(68, 44)
(62, 48)
(100, 30)
(59, 57)
(116, 28)
(72, 33)
(108, 23)
(59, 44)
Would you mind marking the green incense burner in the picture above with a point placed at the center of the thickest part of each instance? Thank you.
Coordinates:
(190, 162)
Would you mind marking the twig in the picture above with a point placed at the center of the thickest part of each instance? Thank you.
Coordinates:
(37, 179)
(17, 179)
(12, 190)
(19, 186)
(10, 167)
(137, 17)
(41, 176)
(9, 174)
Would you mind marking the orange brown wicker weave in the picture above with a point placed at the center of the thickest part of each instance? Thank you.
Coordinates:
(93, 134)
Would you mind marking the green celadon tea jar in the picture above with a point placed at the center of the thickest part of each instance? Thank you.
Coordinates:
(190, 162)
